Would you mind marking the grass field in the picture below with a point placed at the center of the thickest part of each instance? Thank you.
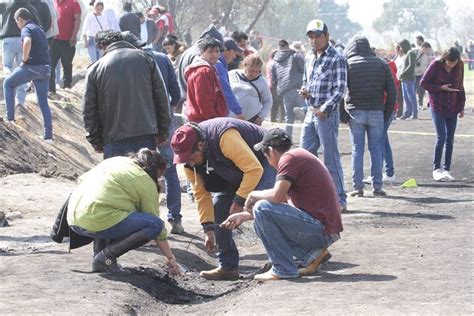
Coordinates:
(469, 86)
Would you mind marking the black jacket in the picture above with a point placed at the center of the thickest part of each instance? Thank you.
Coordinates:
(130, 22)
(9, 27)
(125, 96)
(368, 79)
(43, 13)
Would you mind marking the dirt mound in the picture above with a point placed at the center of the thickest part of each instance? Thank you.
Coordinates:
(24, 151)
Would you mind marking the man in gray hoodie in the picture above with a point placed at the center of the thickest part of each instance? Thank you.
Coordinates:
(407, 78)
(287, 76)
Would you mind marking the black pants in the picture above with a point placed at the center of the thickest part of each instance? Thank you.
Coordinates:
(61, 50)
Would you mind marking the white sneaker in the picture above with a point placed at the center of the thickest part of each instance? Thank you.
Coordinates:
(438, 175)
(388, 179)
(448, 176)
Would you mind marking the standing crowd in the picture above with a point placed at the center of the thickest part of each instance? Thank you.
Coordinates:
(237, 170)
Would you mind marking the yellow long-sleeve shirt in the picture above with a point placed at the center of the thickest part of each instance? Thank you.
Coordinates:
(234, 148)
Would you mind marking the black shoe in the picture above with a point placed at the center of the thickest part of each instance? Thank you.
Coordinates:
(379, 192)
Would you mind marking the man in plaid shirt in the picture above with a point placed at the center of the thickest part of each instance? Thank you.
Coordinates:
(323, 88)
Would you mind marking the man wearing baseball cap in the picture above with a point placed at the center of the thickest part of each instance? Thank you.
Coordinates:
(324, 84)
(220, 159)
(299, 217)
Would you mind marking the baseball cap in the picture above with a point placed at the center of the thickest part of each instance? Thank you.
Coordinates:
(273, 137)
(132, 39)
(229, 44)
(182, 142)
(316, 26)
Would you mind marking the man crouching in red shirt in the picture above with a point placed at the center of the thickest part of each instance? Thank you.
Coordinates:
(299, 217)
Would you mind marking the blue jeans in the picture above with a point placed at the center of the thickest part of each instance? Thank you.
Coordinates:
(410, 108)
(324, 133)
(150, 224)
(12, 57)
(227, 252)
(288, 232)
(39, 74)
(173, 189)
(291, 99)
(371, 123)
(445, 130)
(130, 145)
(387, 156)
(94, 53)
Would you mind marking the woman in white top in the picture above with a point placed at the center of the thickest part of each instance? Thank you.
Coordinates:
(251, 89)
(95, 22)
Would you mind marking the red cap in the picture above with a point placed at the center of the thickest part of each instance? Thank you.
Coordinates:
(182, 143)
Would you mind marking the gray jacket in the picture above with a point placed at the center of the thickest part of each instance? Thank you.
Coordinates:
(125, 96)
(368, 79)
(287, 71)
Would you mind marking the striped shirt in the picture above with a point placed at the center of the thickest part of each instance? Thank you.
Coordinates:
(325, 78)
(448, 104)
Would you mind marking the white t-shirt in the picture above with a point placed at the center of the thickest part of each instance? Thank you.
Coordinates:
(94, 24)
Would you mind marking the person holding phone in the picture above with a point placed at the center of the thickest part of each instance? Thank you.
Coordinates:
(444, 82)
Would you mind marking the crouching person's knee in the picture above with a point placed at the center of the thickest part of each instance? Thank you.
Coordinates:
(260, 209)
(154, 229)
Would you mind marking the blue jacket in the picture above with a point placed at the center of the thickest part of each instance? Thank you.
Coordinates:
(232, 102)
(169, 76)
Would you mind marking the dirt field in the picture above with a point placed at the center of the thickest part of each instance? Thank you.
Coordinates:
(408, 253)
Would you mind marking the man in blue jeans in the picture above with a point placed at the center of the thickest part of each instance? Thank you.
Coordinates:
(324, 83)
(35, 67)
(223, 168)
(299, 217)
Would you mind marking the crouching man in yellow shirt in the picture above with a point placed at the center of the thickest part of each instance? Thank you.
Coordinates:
(220, 159)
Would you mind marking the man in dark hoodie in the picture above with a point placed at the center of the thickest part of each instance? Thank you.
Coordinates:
(11, 36)
(369, 79)
(189, 57)
(407, 78)
(287, 76)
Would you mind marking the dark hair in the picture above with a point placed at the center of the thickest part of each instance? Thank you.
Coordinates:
(23, 13)
(419, 37)
(92, 3)
(238, 36)
(151, 161)
(127, 7)
(451, 54)
(209, 42)
(281, 148)
(426, 45)
(283, 44)
(105, 38)
(140, 15)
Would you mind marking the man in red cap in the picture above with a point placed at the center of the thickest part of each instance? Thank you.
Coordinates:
(220, 159)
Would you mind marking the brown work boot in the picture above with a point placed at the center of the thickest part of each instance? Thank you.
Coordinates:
(220, 274)
(314, 265)
(267, 276)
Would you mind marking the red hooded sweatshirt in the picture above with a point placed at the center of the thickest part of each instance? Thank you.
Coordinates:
(205, 99)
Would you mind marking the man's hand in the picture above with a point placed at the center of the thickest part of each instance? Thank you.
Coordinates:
(258, 121)
(210, 241)
(235, 220)
(304, 93)
(73, 41)
(250, 202)
(173, 266)
(160, 139)
(98, 148)
(235, 208)
(320, 114)
(447, 87)
(461, 114)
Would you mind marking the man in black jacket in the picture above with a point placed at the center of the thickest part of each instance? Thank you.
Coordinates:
(370, 101)
(125, 103)
(12, 46)
(129, 21)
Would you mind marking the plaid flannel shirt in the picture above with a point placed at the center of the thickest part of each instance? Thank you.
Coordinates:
(325, 78)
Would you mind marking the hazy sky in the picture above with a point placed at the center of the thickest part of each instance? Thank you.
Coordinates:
(366, 11)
